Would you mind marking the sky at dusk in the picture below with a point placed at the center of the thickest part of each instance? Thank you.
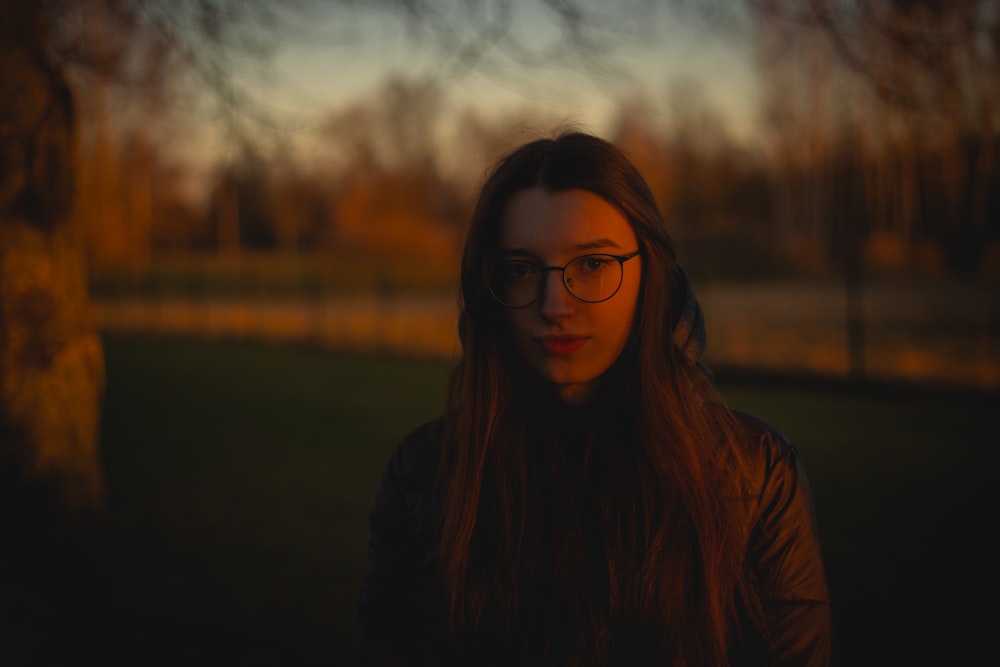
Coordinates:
(346, 55)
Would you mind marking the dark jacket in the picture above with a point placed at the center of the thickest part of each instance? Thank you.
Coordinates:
(399, 623)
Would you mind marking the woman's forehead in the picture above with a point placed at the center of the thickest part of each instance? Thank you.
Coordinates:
(541, 221)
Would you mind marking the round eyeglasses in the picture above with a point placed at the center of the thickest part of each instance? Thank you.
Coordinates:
(518, 283)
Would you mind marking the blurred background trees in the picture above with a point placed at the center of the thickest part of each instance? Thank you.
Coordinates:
(882, 126)
(874, 155)
(877, 143)
(144, 153)
(51, 366)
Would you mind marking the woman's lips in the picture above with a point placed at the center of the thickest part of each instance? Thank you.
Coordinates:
(561, 346)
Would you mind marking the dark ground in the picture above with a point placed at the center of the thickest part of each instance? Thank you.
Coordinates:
(242, 554)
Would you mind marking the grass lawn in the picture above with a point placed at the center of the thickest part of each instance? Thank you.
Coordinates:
(239, 477)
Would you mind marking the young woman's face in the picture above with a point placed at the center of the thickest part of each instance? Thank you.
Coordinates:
(569, 342)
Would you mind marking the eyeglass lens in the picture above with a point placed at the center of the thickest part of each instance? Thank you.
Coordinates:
(591, 278)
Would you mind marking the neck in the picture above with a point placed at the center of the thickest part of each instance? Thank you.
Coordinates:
(577, 394)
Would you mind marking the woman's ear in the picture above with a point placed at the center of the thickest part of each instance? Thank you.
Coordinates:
(689, 329)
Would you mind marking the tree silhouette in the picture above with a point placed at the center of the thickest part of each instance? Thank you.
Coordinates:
(930, 64)
(51, 375)
(51, 368)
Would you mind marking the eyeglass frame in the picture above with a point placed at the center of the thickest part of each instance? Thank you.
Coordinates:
(621, 259)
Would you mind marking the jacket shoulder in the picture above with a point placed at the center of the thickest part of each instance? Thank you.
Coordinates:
(766, 447)
(400, 535)
(784, 549)
(415, 461)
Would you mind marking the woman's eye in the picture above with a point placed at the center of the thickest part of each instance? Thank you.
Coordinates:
(594, 264)
(517, 272)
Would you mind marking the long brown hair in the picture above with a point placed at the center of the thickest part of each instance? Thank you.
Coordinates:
(666, 471)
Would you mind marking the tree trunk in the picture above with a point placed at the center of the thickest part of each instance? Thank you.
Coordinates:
(855, 316)
(54, 584)
(51, 359)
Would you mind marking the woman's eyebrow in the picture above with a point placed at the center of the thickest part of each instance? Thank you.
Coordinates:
(596, 244)
(517, 252)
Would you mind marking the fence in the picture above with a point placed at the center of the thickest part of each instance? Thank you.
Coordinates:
(938, 333)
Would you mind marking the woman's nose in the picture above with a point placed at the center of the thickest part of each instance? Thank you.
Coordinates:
(556, 302)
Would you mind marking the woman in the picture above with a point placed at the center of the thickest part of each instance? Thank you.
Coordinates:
(587, 498)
